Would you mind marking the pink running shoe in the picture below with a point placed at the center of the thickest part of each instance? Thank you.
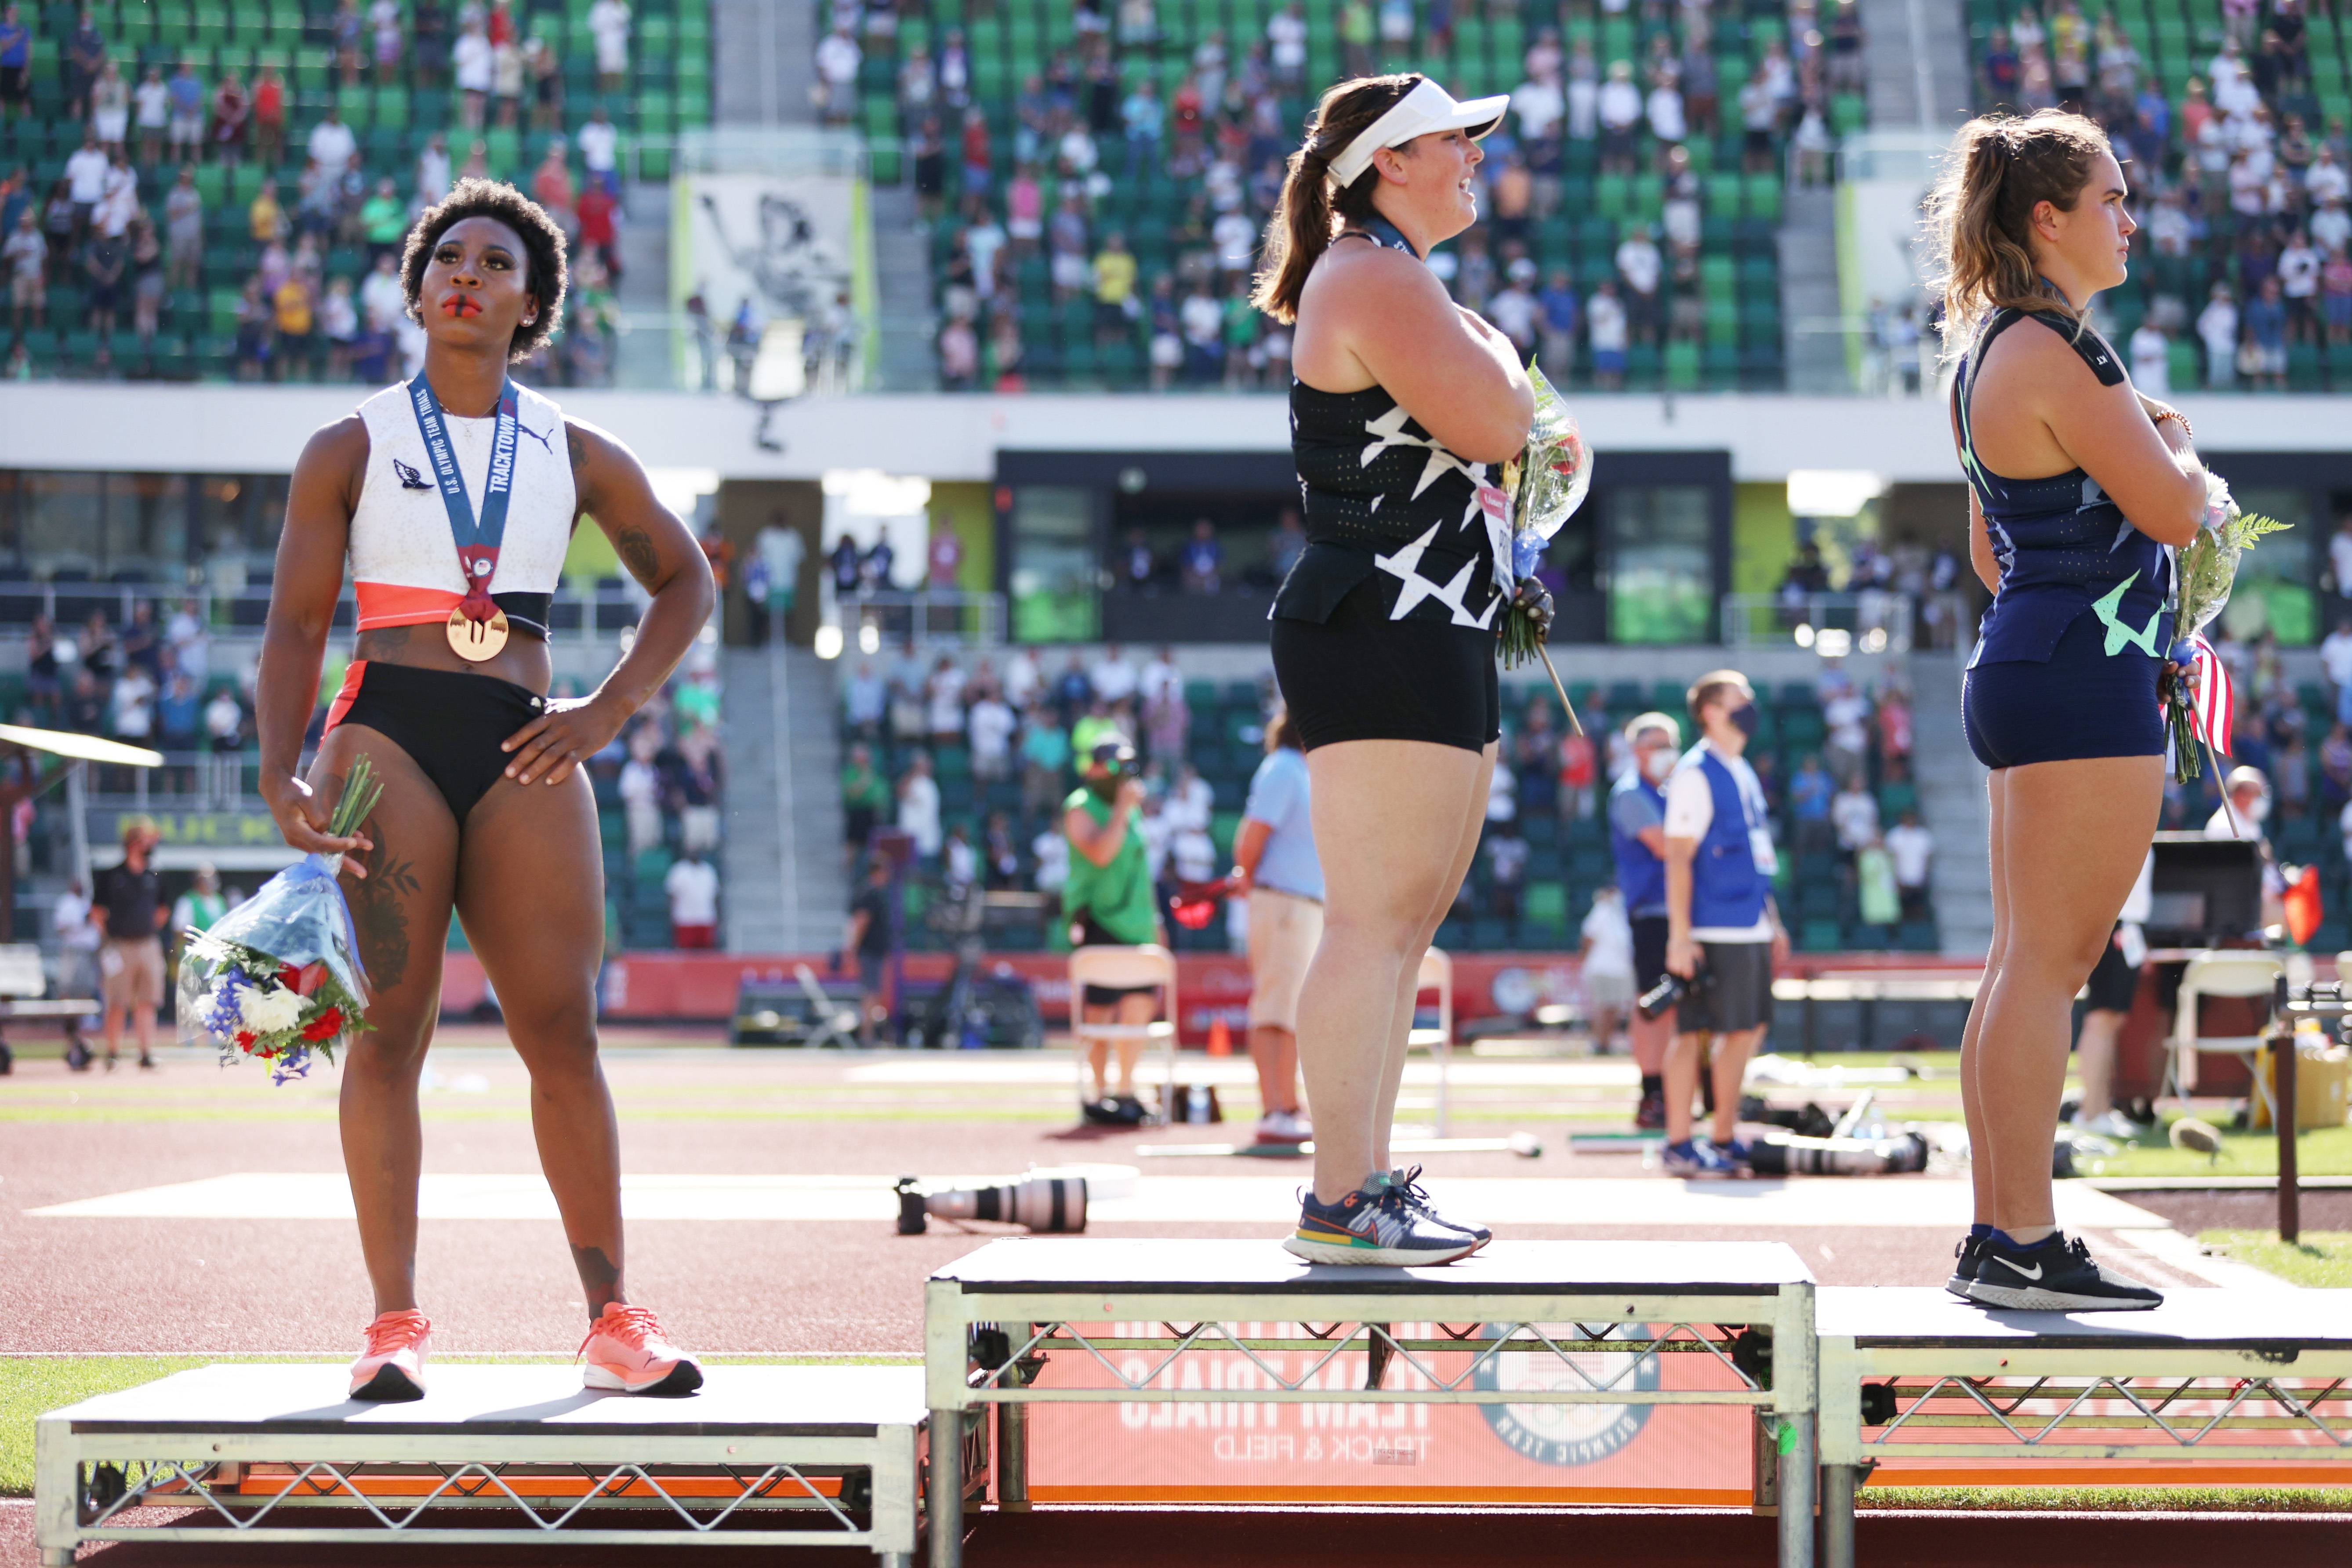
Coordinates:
(392, 1368)
(626, 1350)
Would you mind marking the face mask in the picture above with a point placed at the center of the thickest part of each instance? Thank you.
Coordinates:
(1105, 787)
(1745, 720)
(1658, 765)
(2260, 811)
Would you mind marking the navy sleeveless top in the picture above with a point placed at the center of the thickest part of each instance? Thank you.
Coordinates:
(2064, 549)
(1384, 501)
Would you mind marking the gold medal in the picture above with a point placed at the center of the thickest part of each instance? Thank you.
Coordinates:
(473, 640)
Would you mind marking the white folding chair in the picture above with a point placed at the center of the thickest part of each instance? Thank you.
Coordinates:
(831, 1020)
(1125, 968)
(2225, 972)
(1437, 975)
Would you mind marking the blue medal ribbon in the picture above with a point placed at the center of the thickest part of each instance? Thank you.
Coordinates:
(478, 538)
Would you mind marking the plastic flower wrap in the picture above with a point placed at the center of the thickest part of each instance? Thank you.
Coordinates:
(278, 977)
(2198, 710)
(1546, 483)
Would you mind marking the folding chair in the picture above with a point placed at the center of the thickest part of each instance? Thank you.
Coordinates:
(1437, 975)
(1125, 968)
(831, 1020)
(2226, 973)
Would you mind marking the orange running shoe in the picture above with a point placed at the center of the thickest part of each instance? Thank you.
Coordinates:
(626, 1350)
(392, 1368)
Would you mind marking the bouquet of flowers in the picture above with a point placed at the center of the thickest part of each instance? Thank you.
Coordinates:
(1545, 485)
(2198, 710)
(278, 977)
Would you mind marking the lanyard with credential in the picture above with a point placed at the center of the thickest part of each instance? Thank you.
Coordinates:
(477, 627)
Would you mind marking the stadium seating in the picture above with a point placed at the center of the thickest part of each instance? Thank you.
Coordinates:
(2171, 53)
(1733, 338)
(393, 114)
(1568, 858)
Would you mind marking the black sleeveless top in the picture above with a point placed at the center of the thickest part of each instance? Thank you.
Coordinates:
(2064, 549)
(1384, 501)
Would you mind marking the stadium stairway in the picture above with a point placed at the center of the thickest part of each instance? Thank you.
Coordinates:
(1917, 65)
(763, 61)
(1952, 803)
(787, 891)
(643, 358)
(902, 268)
(1811, 307)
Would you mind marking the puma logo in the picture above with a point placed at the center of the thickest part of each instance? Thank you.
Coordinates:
(409, 479)
(2023, 1272)
(535, 436)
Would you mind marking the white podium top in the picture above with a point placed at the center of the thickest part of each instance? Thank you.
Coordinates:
(752, 1401)
(2223, 1318)
(1512, 1268)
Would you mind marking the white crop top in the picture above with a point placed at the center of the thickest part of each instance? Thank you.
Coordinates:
(404, 560)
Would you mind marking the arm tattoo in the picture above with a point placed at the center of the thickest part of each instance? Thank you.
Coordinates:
(600, 1276)
(379, 910)
(636, 550)
(577, 445)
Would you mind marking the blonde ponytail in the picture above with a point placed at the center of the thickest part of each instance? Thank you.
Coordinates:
(1980, 214)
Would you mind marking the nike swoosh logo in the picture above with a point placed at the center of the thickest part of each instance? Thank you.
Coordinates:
(2032, 1273)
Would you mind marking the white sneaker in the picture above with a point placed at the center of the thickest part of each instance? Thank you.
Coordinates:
(2112, 1124)
(1283, 1127)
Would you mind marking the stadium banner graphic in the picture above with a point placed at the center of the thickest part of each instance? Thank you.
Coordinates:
(776, 259)
(1216, 1451)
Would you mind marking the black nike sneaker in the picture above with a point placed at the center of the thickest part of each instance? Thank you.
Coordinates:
(1967, 1258)
(2056, 1274)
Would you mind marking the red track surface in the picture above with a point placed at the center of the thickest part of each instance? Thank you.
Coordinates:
(1090, 1538)
(251, 1284)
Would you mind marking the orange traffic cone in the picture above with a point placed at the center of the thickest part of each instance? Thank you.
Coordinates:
(1220, 1038)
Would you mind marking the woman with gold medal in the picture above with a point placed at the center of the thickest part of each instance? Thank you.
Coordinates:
(454, 498)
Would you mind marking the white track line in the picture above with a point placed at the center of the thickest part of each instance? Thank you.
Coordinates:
(1893, 1202)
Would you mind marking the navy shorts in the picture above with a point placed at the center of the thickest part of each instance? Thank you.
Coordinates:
(2080, 704)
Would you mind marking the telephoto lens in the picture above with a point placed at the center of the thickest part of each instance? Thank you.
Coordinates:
(1661, 996)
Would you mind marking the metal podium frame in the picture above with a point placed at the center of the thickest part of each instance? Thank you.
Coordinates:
(156, 1445)
(1040, 1294)
(2206, 1363)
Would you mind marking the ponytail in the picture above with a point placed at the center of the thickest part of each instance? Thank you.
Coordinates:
(1307, 214)
(1980, 214)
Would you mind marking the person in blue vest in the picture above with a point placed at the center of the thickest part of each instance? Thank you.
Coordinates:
(1723, 933)
(1637, 837)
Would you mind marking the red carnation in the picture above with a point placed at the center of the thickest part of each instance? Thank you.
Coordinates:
(325, 1027)
(289, 976)
(245, 1038)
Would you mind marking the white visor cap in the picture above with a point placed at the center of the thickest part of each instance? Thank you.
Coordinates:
(1427, 108)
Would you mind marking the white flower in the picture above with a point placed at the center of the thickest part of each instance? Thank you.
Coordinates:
(269, 1009)
(2220, 507)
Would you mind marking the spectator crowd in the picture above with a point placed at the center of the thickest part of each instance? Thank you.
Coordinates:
(171, 208)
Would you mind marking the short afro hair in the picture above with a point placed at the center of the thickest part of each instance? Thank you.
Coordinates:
(542, 243)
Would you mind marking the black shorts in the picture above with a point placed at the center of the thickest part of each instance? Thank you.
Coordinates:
(15, 83)
(1649, 951)
(1086, 932)
(2082, 703)
(1362, 676)
(450, 725)
(1737, 993)
(2114, 982)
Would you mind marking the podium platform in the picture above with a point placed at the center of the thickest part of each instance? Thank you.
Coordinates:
(762, 1456)
(2214, 1375)
(995, 1317)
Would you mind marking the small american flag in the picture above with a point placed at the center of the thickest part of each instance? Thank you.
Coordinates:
(2214, 712)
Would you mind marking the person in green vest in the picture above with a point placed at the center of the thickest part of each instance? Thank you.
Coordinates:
(1108, 902)
(200, 906)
